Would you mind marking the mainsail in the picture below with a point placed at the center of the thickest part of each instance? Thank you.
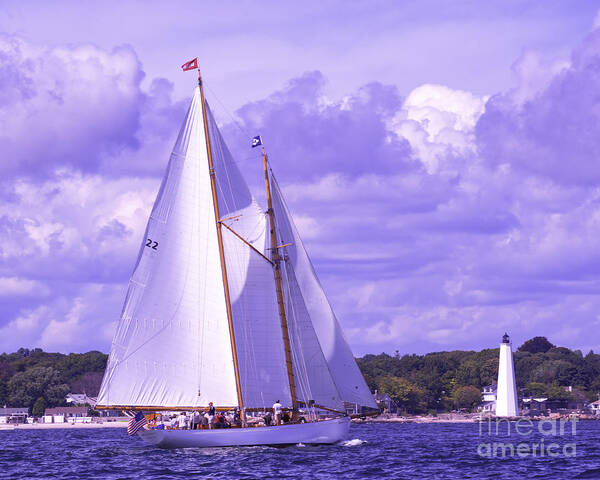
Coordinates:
(172, 344)
(173, 347)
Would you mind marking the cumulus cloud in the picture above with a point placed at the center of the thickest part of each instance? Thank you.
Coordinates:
(438, 220)
(554, 132)
(78, 107)
(309, 135)
(439, 122)
(74, 227)
(480, 225)
(82, 148)
(15, 286)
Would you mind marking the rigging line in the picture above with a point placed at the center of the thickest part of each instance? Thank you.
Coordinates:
(227, 111)
(306, 383)
(218, 155)
(302, 251)
(224, 156)
(297, 342)
(245, 241)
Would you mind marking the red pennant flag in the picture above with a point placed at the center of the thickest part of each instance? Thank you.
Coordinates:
(191, 65)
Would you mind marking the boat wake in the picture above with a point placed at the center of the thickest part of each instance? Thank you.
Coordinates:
(355, 442)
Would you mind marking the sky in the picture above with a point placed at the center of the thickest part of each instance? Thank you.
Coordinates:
(441, 159)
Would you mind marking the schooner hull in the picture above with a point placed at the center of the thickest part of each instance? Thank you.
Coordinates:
(327, 431)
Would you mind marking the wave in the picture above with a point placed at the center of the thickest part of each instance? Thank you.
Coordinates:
(355, 442)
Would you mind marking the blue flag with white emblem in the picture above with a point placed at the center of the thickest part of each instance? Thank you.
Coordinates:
(256, 141)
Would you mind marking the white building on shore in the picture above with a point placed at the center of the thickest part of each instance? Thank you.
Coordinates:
(80, 399)
(488, 394)
(14, 415)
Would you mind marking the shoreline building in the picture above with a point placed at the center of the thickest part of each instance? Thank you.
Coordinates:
(506, 396)
(14, 415)
(488, 393)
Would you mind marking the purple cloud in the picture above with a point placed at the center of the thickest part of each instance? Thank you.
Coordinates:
(555, 133)
(308, 136)
(80, 108)
(435, 220)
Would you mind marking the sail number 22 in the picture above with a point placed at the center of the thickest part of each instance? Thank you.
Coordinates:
(152, 244)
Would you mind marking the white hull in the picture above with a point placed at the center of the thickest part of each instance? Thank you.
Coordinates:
(327, 431)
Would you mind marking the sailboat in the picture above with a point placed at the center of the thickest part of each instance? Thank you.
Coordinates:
(224, 306)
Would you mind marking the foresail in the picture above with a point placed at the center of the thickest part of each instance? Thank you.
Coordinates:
(316, 322)
(257, 326)
(172, 346)
(311, 372)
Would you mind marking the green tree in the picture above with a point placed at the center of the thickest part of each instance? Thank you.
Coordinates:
(489, 370)
(403, 393)
(26, 387)
(39, 407)
(3, 393)
(88, 382)
(556, 392)
(466, 396)
(536, 389)
(468, 373)
(536, 345)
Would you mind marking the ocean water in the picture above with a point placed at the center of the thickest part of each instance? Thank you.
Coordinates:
(378, 451)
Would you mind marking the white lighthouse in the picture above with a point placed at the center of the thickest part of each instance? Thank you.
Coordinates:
(506, 399)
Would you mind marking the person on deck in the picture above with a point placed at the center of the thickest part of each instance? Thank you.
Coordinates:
(181, 421)
(237, 419)
(205, 421)
(268, 418)
(220, 421)
(195, 420)
(277, 412)
(211, 414)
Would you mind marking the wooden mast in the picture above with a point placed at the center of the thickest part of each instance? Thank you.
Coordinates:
(213, 186)
(280, 301)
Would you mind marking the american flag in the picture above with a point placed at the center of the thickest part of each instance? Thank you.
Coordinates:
(135, 423)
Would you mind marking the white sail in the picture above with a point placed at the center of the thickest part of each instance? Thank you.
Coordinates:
(313, 313)
(311, 372)
(257, 325)
(172, 346)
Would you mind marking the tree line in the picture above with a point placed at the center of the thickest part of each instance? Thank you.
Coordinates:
(444, 381)
(36, 379)
(434, 382)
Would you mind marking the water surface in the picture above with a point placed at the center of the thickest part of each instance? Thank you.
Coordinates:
(395, 451)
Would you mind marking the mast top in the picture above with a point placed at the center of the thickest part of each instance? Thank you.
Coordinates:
(193, 65)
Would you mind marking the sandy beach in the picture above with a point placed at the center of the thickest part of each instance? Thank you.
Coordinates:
(442, 418)
(386, 418)
(457, 418)
(48, 426)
